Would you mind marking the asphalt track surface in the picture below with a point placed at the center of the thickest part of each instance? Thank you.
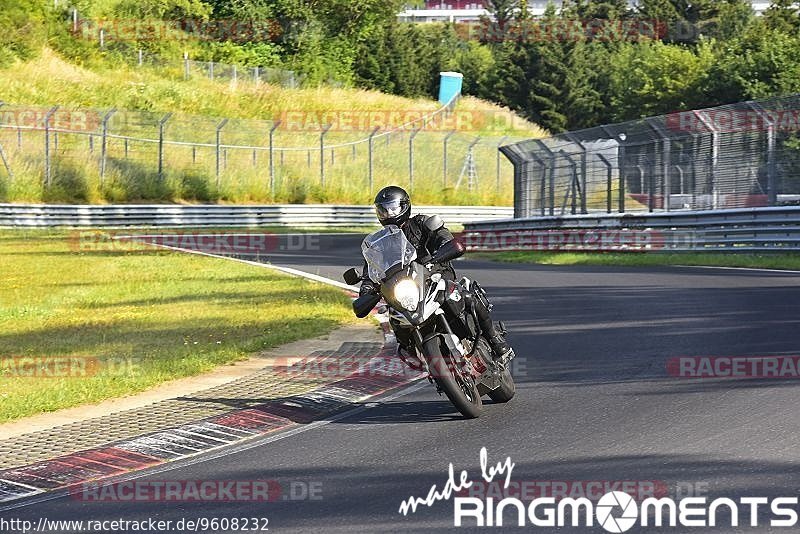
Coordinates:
(594, 403)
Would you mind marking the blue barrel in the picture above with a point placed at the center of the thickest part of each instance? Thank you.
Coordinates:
(450, 86)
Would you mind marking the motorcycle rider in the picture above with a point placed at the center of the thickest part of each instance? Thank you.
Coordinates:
(393, 206)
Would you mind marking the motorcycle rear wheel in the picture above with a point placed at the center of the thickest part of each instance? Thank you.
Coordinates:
(506, 390)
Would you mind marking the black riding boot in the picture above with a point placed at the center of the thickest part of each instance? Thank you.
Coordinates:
(496, 339)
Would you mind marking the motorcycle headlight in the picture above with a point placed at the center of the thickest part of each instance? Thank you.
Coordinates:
(406, 292)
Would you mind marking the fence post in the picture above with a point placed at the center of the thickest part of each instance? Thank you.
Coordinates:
(572, 190)
(552, 195)
(218, 137)
(272, 157)
(411, 137)
(161, 124)
(211, 70)
(543, 165)
(444, 156)
(609, 179)
(47, 169)
(772, 192)
(581, 184)
(322, 153)
(3, 154)
(104, 145)
(499, 144)
(666, 163)
(369, 155)
(714, 156)
(620, 139)
(186, 65)
(521, 201)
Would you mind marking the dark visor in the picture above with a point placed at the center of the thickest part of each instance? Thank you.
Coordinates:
(390, 209)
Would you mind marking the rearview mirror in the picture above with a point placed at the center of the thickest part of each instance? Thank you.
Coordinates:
(351, 277)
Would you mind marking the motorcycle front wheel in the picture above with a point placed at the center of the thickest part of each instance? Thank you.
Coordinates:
(461, 391)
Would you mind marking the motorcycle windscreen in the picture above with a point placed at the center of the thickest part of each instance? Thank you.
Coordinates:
(385, 249)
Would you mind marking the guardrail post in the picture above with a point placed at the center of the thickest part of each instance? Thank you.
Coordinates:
(47, 170)
(369, 155)
(272, 157)
(499, 144)
(104, 144)
(411, 137)
(218, 137)
(444, 157)
(322, 153)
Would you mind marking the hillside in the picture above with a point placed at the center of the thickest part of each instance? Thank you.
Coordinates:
(144, 94)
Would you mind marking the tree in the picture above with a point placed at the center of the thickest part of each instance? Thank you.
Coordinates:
(588, 10)
(687, 20)
(583, 104)
(656, 78)
(758, 64)
(783, 15)
(503, 11)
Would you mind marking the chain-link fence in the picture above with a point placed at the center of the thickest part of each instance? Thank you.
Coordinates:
(733, 156)
(55, 154)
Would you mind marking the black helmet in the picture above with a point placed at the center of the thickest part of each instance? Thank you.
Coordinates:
(392, 205)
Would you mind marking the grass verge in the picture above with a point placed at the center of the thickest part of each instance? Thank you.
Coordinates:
(760, 261)
(80, 327)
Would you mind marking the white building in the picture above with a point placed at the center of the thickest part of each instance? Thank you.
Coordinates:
(472, 10)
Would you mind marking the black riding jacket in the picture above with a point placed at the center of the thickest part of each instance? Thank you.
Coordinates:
(425, 242)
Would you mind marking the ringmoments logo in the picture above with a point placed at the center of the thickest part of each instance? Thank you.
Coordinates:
(614, 511)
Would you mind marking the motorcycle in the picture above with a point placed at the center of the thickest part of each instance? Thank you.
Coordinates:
(439, 314)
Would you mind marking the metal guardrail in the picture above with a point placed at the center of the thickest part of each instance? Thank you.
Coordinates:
(734, 230)
(301, 215)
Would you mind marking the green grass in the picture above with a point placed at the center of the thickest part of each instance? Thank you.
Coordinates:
(761, 261)
(138, 318)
